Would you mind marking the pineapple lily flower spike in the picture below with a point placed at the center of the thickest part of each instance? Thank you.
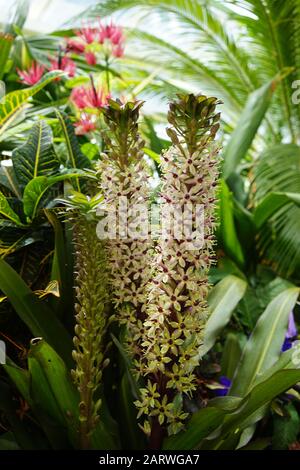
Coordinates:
(123, 177)
(91, 307)
(176, 310)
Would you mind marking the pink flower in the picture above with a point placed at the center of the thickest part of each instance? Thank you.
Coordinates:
(32, 75)
(76, 46)
(89, 97)
(112, 33)
(90, 58)
(88, 34)
(63, 63)
(84, 125)
(118, 51)
(78, 96)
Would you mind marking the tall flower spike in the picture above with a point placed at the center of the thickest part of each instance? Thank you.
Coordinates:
(124, 182)
(177, 308)
(91, 312)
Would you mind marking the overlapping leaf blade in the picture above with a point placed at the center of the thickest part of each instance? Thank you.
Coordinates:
(37, 156)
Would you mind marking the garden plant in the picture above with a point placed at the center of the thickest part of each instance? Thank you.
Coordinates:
(149, 256)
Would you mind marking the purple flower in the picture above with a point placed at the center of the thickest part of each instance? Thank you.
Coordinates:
(292, 329)
(225, 384)
(288, 344)
(290, 334)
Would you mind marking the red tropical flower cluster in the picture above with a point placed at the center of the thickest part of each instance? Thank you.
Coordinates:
(89, 97)
(85, 98)
(88, 38)
(32, 75)
(85, 124)
(35, 72)
(63, 63)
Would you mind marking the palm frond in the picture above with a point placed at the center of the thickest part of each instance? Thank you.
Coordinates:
(278, 170)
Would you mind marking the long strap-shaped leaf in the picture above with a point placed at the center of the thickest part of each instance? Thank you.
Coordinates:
(6, 41)
(249, 122)
(34, 313)
(14, 102)
(209, 419)
(37, 157)
(37, 187)
(7, 211)
(76, 158)
(263, 348)
(222, 300)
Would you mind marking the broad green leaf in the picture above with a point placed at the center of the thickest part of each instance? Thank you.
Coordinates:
(8, 178)
(286, 361)
(261, 395)
(76, 158)
(46, 367)
(101, 439)
(7, 212)
(231, 353)
(201, 424)
(248, 124)
(33, 312)
(20, 431)
(42, 394)
(37, 156)
(6, 42)
(20, 378)
(153, 155)
(222, 300)
(61, 392)
(91, 151)
(258, 444)
(133, 438)
(13, 102)
(285, 428)
(272, 203)
(227, 228)
(37, 187)
(61, 270)
(232, 419)
(8, 444)
(263, 348)
(128, 366)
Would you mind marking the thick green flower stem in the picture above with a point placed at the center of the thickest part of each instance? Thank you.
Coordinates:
(177, 311)
(91, 321)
